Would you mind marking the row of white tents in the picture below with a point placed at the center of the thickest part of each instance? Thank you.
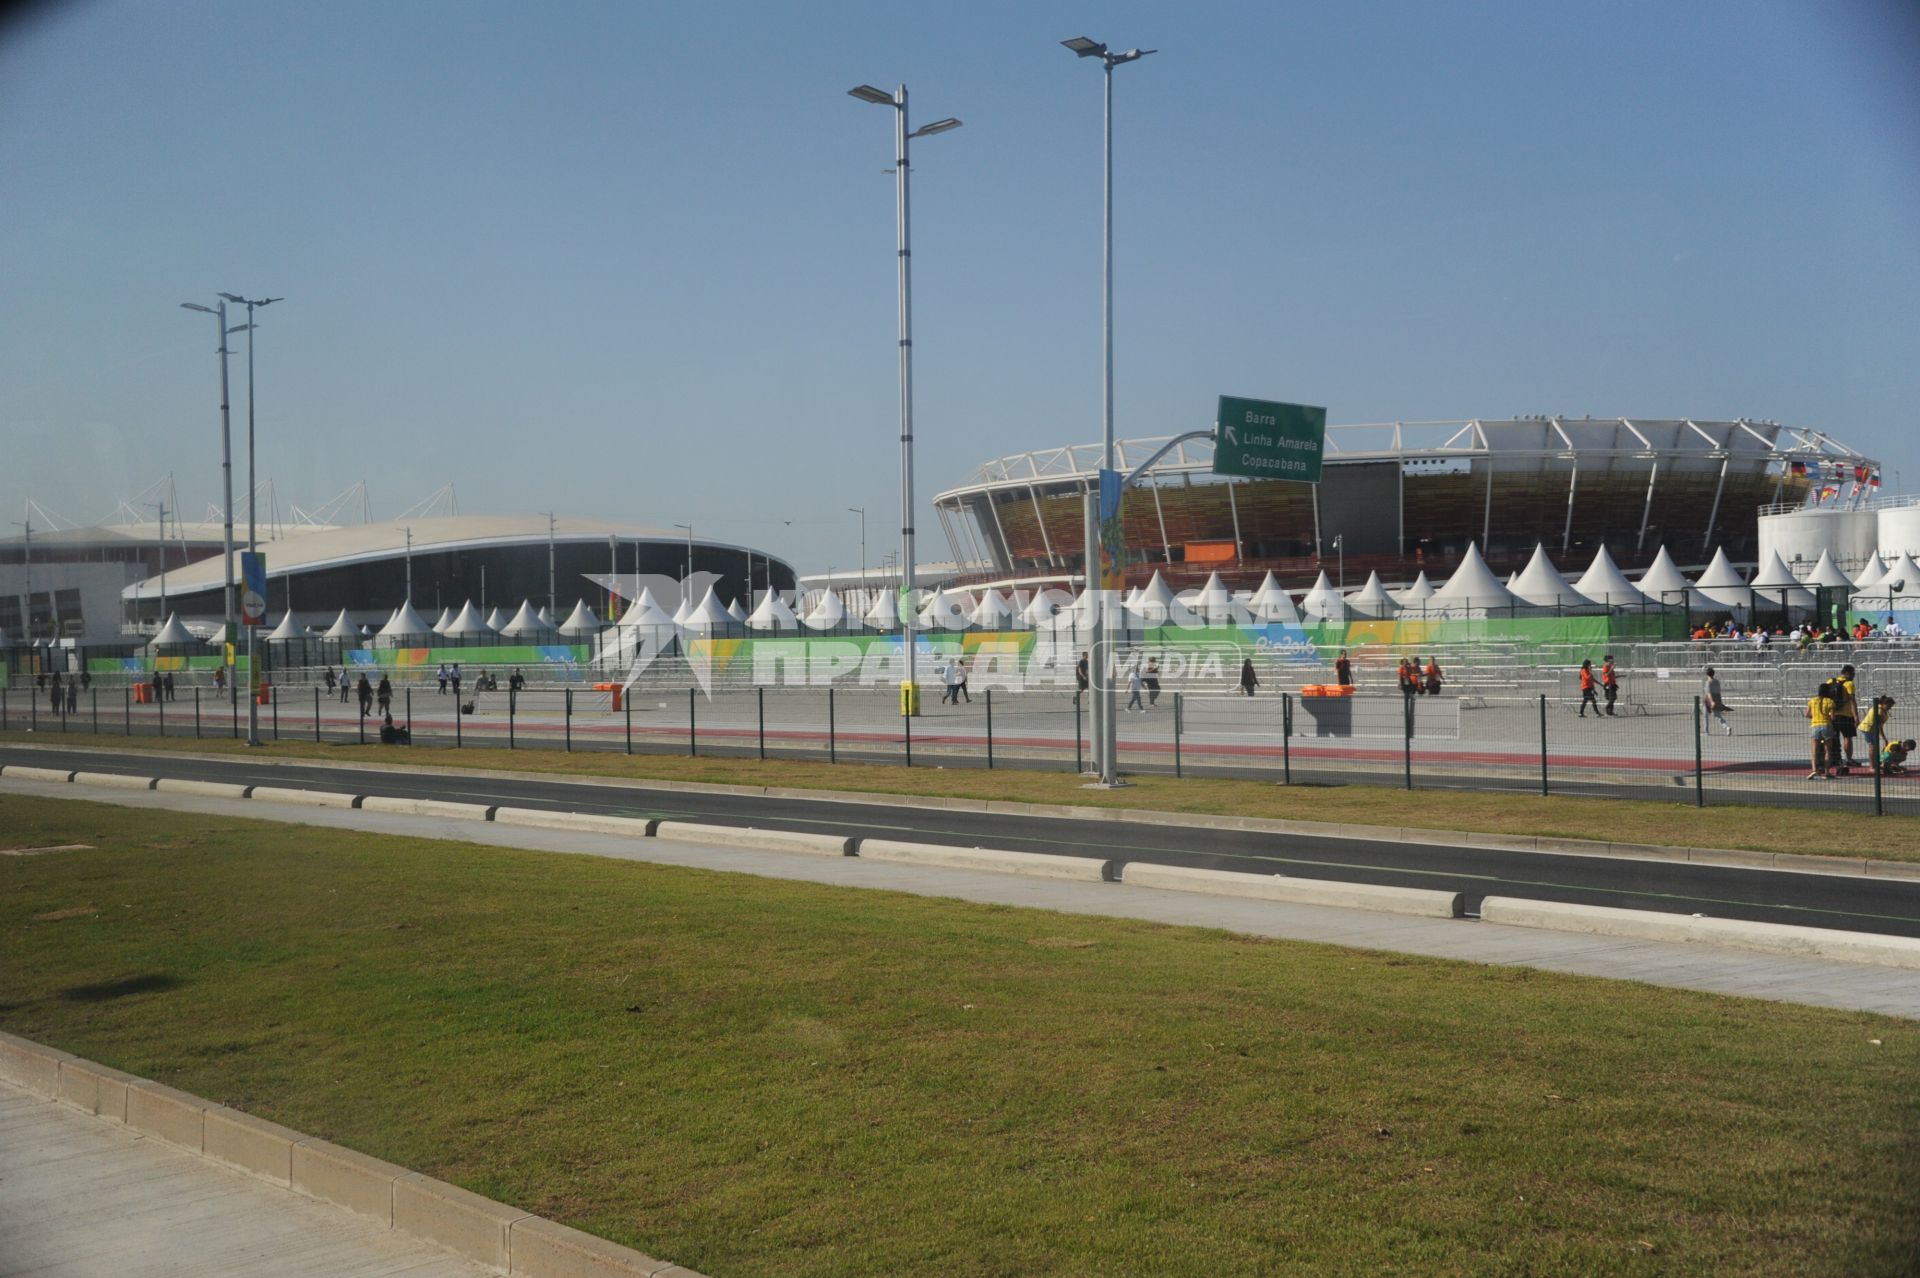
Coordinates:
(1473, 589)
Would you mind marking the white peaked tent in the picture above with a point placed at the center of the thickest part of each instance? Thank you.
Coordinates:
(1472, 586)
(1372, 600)
(645, 613)
(738, 613)
(885, 613)
(1663, 582)
(1217, 606)
(993, 612)
(285, 632)
(1323, 601)
(1722, 583)
(1273, 606)
(406, 624)
(773, 614)
(941, 611)
(526, 624)
(827, 612)
(173, 634)
(1541, 584)
(342, 628)
(496, 622)
(1041, 609)
(1156, 605)
(1604, 583)
(1827, 573)
(444, 620)
(683, 611)
(1871, 574)
(1899, 586)
(1776, 584)
(546, 618)
(1418, 593)
(468, 625)
(709, 615)
(581, 621)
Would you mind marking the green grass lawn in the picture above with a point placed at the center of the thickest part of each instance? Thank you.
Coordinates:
(755, 1077)
(1676, 824)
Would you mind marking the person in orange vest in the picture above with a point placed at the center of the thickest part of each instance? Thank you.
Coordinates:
(1409, 682)
(1433, 677)
(1609, 682)
(1586, 690)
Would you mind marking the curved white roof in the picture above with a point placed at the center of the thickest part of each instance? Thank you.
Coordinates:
(885, 613)
(469, 622)
(581, 621)
(1419, 592)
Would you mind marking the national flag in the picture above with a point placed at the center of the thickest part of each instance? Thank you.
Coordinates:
(1798, 468)
(1828, 492)
(1873, 480)
(1859, 474)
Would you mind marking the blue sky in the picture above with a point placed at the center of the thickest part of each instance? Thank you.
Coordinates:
(636, 260)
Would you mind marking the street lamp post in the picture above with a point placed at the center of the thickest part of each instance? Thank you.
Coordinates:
(219, 312)
(1105, 706)
(910, 701)
(686, 583)
(253, 501)
(862, 512)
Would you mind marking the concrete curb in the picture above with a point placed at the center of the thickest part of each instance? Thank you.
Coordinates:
(1034, 864)
(465, 1223)
(427, 807)
(1548, 844)
(735, 836)
(113, 780)
(18, 772)
(303, 798)
(592, 823)
(206, 789)
(1425, 902)
(1651, 925)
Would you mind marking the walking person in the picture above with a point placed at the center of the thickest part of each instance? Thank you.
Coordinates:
(58, 696)
(453, 677)
(386, 694)
(1433, 676)
(1080, 674)
(366, 695)
(170, 687)
(1248, 680)
(950, 681)
(1587, 697)
(1135, 685)
(329, 678)
(73, 695)
(960, 674)
(443, 678)
(1714, 703)
(345, 684)
(155, 683)
(1152, 679)
(1343, 670)
(1609, 683)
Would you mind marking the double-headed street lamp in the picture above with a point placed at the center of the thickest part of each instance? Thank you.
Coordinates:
(253, 502)
(1105, 707)
(219, 312)
(862, 512)
(910, 700)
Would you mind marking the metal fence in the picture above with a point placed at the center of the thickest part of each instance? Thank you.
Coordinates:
(1657, 741)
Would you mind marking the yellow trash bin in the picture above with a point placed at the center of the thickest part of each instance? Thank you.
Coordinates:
(909, 698)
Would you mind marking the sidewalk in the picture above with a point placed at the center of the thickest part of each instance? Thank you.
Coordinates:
(81, 1197)
(1815, 982)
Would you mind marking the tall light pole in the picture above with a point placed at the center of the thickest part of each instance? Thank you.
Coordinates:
(550, 523)
(1106, 708)
(862, 512)
(253, 501)
(219, 312)
(686, 583)
(898, 101)
(163, 563)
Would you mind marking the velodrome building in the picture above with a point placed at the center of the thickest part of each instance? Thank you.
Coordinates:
(1403, 498)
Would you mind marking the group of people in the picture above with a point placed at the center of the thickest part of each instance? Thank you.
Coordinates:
(65, 697)
(953, 676)
(1802, 636)
(1834, 716)
(1416, 676)
(1607, 682)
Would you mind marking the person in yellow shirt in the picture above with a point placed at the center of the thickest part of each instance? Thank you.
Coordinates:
(1820, 708)
(1846, 720)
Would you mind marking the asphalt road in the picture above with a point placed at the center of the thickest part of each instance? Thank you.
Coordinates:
(1853, 902)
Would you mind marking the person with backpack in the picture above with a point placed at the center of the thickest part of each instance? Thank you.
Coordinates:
(1409, 680)
(1587, 697)
(1820, 707)
(1846, 719)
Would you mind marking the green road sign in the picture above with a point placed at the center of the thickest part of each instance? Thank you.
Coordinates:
(1265, 440)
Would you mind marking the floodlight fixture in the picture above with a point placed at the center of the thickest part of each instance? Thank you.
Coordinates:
(938, 126)
(195, 306)
(1086, 48)
(867, 93)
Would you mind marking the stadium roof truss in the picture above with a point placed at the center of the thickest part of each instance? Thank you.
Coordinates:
(1544, 443)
